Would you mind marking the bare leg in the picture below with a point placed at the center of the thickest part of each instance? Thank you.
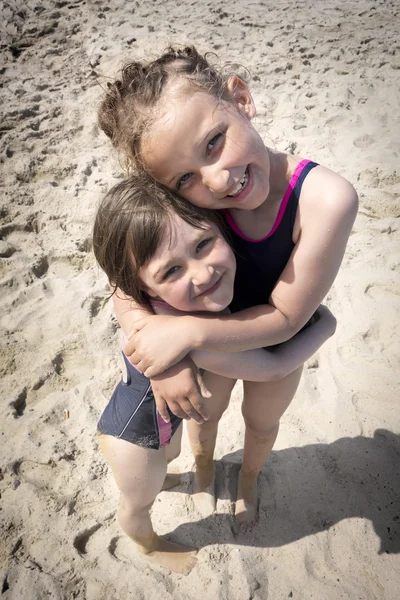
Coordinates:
(202, 440)
(172, 451)
(139, 474)
(262, 408)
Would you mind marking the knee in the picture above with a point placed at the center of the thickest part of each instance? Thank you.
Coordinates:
(259, 429)
(218, 410)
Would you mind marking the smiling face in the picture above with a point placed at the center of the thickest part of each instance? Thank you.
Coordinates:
(207, 150)
(192, 270)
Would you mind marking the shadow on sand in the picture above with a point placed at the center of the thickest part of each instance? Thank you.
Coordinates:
(309, 489)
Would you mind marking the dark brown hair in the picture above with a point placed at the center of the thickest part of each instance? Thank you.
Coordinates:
(128, 106)
(129, 225)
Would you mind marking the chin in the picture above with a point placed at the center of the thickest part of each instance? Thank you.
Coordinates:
(220, 306)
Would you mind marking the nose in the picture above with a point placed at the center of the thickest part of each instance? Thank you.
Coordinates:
(217, 178)
(202, 274)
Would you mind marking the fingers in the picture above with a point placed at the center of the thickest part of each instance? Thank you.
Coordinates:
(139, 364)
(135, 327)
(182, 409)
(129, 348)
(202, 386)
(181, 389)
(150, 371)
(162, 409)
(195, 408)
(185, 410)
(194, 413)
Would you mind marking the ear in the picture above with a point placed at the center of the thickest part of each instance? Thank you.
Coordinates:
(241, 96)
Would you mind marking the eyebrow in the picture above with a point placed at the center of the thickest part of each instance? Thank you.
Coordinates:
(214, 130)
(165, 266)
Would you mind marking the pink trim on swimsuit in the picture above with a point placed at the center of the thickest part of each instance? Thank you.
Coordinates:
(281, 211)
(164, 431)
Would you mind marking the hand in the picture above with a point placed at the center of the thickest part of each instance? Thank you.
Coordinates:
(157, 342)
(181, 388)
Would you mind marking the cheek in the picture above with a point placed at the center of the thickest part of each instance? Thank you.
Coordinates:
(232, 262)
(197, 195)
(226, 257)
(177, 291)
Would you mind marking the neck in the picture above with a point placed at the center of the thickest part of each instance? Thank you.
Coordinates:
(280, 171)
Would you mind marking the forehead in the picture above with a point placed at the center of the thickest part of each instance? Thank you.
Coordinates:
(175, 230)
(182, 121)
(177, 237)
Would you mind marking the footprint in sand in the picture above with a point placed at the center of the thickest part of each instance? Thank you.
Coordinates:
(95, 305)
(364, 141)
(6, 249)
(19, 404)
(51, 478)
(82, 539)
(40, 266)
(67, 365)
(121, 548)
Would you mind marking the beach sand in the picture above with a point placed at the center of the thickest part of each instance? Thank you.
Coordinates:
(325, 77)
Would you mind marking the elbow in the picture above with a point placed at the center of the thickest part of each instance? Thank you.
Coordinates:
(294, 324)
(347, 203)
(353, 203)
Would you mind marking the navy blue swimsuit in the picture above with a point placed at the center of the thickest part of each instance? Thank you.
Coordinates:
(260, 262)
(132, 414)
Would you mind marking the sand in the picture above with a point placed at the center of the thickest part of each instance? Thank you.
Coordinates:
(325, 77)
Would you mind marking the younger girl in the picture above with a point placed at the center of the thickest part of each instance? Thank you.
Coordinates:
(164, 252)
(191, 127)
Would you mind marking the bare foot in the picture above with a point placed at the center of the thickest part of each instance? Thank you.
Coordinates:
(246, 502)
(175, 557)
(204, 489)
(171, 480)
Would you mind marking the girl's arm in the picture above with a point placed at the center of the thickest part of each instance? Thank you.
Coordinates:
(180, 387)
(128, 311)
(327, 209)
(264, 365)
(322, 229)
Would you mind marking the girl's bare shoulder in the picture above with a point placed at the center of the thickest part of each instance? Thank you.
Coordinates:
(324, 190)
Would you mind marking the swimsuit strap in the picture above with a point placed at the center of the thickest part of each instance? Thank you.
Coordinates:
(295, 183)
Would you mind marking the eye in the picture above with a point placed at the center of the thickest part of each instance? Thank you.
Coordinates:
(213, 142)
(203, 244)
(183, 179)
(169, 273)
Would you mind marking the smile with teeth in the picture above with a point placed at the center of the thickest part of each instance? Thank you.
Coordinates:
(241, 184)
